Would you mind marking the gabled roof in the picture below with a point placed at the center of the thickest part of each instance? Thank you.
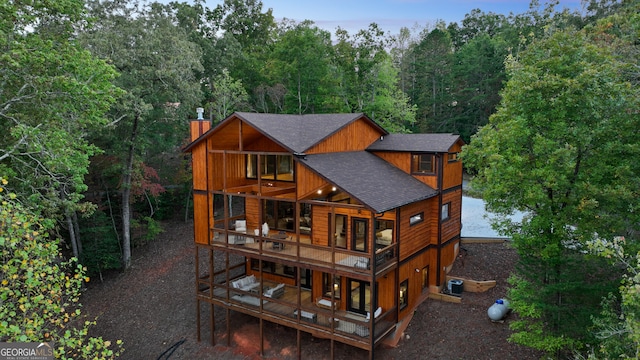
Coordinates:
(371, 180)
(416, 142)
(298, 133)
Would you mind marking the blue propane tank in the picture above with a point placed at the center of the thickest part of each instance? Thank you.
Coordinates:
(498, 310)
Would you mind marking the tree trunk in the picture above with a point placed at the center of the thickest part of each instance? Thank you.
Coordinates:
(76, 228)
(126, 196)
(72, 237)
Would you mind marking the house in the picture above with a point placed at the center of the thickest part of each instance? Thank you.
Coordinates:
(324, 223)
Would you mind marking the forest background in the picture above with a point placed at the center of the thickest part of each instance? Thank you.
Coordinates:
(96, 97)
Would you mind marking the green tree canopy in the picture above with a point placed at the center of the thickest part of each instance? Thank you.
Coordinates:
(561, 147)
(158, 66)
(39, 294)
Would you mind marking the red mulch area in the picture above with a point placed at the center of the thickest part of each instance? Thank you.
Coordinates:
(153, 310)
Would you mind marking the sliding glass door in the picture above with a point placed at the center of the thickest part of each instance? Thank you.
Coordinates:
(359, 300)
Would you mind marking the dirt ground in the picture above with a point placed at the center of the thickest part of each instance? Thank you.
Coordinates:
(152, 309)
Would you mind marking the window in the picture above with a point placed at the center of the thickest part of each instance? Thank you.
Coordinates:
(403, 300)
(330, 284)
(306, 276)
(384, 233)
(425, 278)
(359, 300)
(452, 157)
(417, 218)
(423, 164)
(272, 167)
(359, 235)
(271, 267)
(279, 214)
(444, 212)
(340, 235)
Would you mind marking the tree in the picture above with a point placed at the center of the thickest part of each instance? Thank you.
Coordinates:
(618, 327)
(431, 92)
(157, 65)
(39, 294)
(300, 61)
(477, 77)
(228, 96)
(561, 147)
(52, 93)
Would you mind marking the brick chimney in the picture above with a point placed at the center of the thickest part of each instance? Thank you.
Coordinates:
(199, 126)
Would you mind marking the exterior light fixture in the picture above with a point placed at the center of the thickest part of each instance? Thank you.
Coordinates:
(319, 192)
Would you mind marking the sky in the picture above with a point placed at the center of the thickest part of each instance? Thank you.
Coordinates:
(390, 15)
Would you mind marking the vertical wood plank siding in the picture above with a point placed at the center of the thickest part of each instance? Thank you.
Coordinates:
(452, 170)
(307, 181)
(252, 214)
(201, 218)
(399, 159)
(199, 166)
(402, 161)
(356, 136)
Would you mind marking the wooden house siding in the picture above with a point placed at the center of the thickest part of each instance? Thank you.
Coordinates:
(451, 226)
(307, 182)
(415, 237)
(408, 272)
(402, 160)
(398, 159)
(387, 291)
(356, 136)
(201, 218)
(263, 144)
(252, 214)
(216, 171)
(199, 167)
(431, 180)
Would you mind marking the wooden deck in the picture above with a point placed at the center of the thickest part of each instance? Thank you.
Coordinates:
(305, 253)
(297, 310)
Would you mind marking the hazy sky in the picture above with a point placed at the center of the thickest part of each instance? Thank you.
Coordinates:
(390, 15)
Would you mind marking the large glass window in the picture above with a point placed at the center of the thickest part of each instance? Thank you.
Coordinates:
(331, 284)
(273, 268)
(279, 214)
(384, 233)
(359, 235)
(404, 294)
(423, 163)
(306, 277)
(272, 167)
(340, 235)
(235, 208)
(359, 296)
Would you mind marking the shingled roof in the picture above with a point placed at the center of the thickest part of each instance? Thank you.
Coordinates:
(415, 142)
(371, 180)
(298, 133)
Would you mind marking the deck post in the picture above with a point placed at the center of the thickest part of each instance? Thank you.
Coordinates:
(213, 324)
(198, 320)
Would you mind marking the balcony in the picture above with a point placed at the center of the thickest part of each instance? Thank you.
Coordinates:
(293, 307)
(284, 246)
